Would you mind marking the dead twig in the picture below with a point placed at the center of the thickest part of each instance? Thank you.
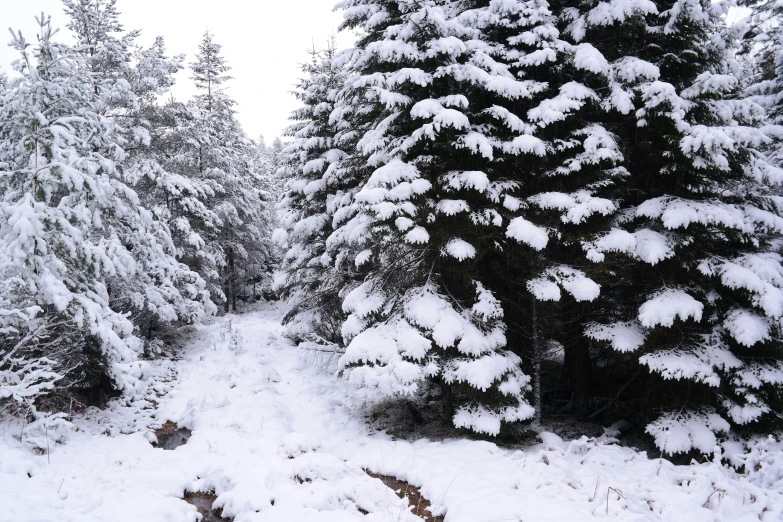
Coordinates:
(617, 492)
(595, 493)
(721, 493)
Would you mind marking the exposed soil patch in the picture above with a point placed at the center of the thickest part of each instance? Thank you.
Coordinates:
(170, 436)
(203, 503)
(421, 506)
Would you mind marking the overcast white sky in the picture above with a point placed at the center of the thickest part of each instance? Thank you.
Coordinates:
(263, 40)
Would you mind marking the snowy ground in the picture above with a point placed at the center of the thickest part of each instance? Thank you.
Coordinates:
(278, 438)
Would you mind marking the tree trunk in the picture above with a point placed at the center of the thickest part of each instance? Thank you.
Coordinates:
(228, 283)
(577, 367)
(446, 400)
(536, 364)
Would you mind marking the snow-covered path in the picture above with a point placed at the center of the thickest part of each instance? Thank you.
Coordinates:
(278, 438)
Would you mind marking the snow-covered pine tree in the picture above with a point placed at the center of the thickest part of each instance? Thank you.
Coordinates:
(24, 377)
(764, 49)
(130, 80)
(62, 210)
(210, 71)
(269, 159)
(97, 28)
(127, 80)
(692, 268)
(276, 154)
(308, 277)
(435, 205)
(261, 269)
(263, 161)
(218, 152)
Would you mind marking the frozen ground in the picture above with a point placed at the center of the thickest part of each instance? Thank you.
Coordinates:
(278, 438)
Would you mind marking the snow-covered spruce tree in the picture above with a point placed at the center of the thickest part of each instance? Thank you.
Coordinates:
(260, 270)
(63, 210)
(263, 163)
(270, 169)
(554, 143)
(218, 152)
(763, 41)
(764, 50)
(435, 208)
(204, 177)
(308, 278)
(692, 268)
(127, 80)
(276, 155)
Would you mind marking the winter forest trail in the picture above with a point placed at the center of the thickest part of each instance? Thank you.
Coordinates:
(278, 438)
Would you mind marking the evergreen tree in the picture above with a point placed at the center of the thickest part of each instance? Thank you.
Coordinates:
(97, 27)
(263, 160)
(269, 160)
(217, 151)
(165, 172)
(64, 218)
(308, 277)
(691, 266)
(434, 208)
(559, 163)
(764, 48)
(209, 71)
(277, 158)
(127, 80)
